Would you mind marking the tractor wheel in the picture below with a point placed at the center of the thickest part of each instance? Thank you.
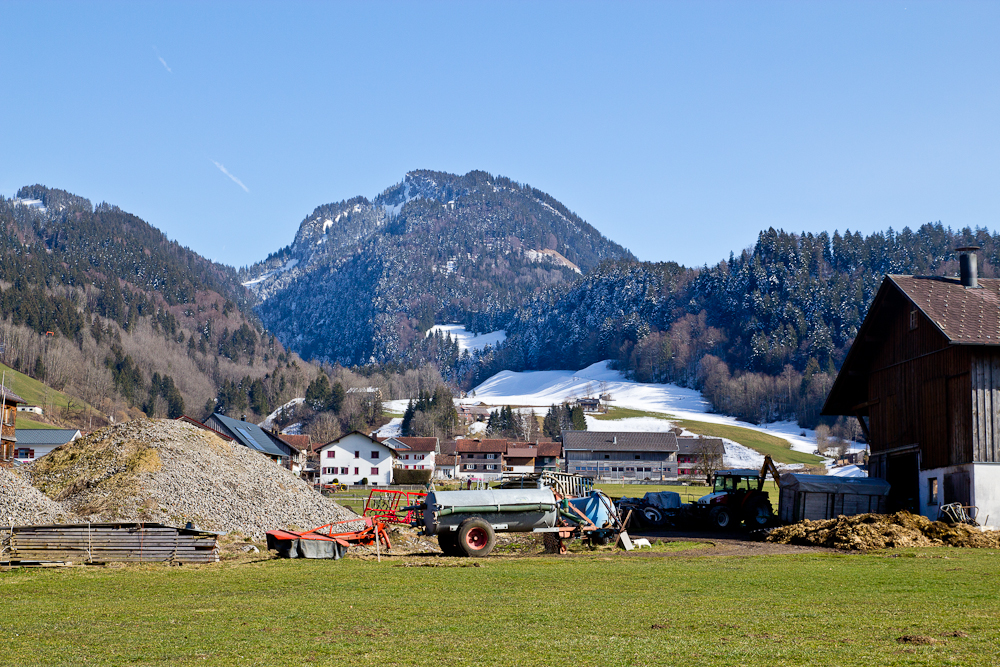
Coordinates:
(759, 514)
(721, 517)
(476, 537)
(448, 541)
(652, 516)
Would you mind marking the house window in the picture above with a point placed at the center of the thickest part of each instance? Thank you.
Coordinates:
(469, 456)
(932, 491)
(330, 454)
(469, 466)
(491, 456)
(419, 457)
(913, 319)
(357, 471)
(637, 457)
(406, 456)
(374, 455)
(357, 455)
(374, 471)
(329, 471)
(491, 467)
(345, 471)
(607, 456)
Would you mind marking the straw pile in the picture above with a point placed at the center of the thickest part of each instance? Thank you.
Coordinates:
(869, 532)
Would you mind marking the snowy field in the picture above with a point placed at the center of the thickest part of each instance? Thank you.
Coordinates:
(468, 340)
(545, 388)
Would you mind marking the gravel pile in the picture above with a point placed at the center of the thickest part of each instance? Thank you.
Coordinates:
(23, 505)
(172, 472)
(868, 532)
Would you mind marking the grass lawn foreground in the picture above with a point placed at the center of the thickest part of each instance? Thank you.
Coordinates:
(600, 609)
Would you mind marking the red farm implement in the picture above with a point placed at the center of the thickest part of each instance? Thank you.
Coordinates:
(388, 505)
(323, 542)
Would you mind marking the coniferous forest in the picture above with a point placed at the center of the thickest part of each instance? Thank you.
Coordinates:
(98, 302)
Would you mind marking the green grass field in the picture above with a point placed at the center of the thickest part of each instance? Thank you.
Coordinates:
(764, 443)
(37, 393)
(922, 607)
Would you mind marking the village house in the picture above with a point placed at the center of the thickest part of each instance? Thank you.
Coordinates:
(356, 458)
(8, 418)
(923, 380)
(250, 436)
(698, 457)
(621, 455)
(34, 409)
(34, 443)
(481, 459)
(414, 453)
(589, 404)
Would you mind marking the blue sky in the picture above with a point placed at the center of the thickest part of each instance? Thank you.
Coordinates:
(677, 129)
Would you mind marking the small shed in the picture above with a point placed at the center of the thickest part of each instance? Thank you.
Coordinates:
(824, 497)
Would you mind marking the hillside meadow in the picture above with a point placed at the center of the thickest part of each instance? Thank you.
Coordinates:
(916, 607)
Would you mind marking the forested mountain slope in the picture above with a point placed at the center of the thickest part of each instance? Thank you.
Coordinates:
(364, 279)
(98, 302)
(761, 333)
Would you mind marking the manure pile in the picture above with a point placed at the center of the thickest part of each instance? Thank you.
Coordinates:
(868, 532)
(21, 504)
(172, 472)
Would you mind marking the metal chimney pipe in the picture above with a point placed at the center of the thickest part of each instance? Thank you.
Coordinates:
(968, 269)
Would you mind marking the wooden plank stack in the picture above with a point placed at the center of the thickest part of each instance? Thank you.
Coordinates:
(108, 543)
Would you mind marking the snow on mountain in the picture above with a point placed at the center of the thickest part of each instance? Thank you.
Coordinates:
(268, 422)
(468, 340)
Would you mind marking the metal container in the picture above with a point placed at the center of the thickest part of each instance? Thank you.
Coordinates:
(506, 510)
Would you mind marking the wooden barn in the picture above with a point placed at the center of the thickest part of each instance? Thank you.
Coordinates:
(923, 379)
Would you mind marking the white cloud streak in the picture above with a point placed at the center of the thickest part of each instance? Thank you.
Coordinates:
(162, 61)
(234, 179)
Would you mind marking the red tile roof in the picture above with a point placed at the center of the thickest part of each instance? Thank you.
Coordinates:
(419, 444)
(479, 446)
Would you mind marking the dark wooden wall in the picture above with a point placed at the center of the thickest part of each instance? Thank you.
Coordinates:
(921, 390)
(985, 374)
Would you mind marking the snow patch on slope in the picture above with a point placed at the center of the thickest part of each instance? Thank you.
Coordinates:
(468, 340)
(268, 422)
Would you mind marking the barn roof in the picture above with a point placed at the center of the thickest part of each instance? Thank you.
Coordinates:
(963, 316)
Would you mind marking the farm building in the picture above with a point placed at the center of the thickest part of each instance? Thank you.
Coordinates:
(34, 443)
(923, 379)
(621, 455)
(250, 436)
(8, 439)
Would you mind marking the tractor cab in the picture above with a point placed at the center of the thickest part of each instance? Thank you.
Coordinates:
(730, 482)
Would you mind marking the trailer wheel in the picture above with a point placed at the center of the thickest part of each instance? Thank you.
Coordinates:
(759, 514)
(652, 515)
(721, 517)
(476, 537)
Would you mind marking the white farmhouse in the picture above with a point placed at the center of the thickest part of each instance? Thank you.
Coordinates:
(355, 457)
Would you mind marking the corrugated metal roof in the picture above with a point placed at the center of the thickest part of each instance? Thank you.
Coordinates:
(46, 436)
(619, 441)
